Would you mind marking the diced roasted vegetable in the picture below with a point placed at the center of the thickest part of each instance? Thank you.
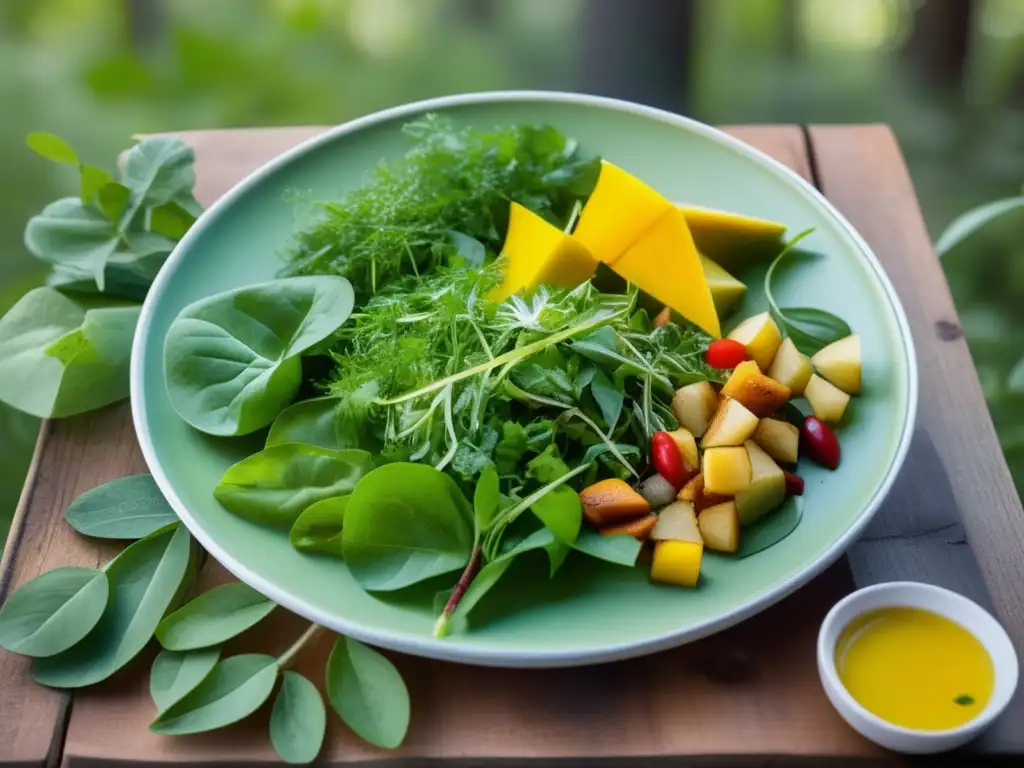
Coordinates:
(732, 425)
(677, 521)
(639, 529)
(761, 394)
(677, 562)
(612, 501)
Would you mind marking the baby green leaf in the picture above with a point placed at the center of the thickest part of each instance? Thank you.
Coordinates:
(171, 220)
(233, 359)
(213, 617)
(93, 180)
(406, 523)
(609, 398)
(772, 528)
(235, 688)
(319, 527)
(157, 170)
(51, 147)
(112, 199)
(469, 248)
(128, 273)
(60, 355)
(315, 422)
(127, 508)
(53, 611)
(619, 550)
(175, 673)
(68, 231)
(486, 496)
(143, 581)
(561, 512)
(277, 484)
(368, 693)
(298, 720)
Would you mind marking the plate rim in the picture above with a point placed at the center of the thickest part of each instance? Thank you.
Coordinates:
(430, 647)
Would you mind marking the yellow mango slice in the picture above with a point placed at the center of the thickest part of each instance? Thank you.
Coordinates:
(537, 252)
(726, 290)
(620, 209)
(663, 262)
(732, 239)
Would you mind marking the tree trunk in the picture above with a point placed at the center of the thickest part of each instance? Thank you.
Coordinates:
(639, 50)
(939, 43)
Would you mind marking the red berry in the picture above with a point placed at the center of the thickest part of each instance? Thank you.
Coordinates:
(794, 484)
(725, 353)
(819, 442)
(668, 459)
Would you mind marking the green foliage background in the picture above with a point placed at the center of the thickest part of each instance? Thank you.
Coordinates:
(98, 71)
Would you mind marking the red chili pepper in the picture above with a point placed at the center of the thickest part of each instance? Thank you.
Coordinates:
(668, 460)
(725, 353)
(819, 442)
(794, 484)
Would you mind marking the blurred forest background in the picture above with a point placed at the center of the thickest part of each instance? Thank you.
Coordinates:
(948, 75)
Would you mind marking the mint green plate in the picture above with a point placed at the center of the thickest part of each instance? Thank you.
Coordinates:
(589, 612)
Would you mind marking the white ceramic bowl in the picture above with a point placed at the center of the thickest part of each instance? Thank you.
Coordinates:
(953, 606)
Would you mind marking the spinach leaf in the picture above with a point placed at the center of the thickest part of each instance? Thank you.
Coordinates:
(368, 693)
(233, 360)
(318, 528)
(213, 618)
(561, 512)
(772, 528)
(277, 484)
(609, 398)
(175, 673)
(313, 421)
(486, 497)
(406, 523)
(619, 550)
(53, 611)
(235, 688)
(298, 721)
(126, 508)
(61, 355)
(143, 579)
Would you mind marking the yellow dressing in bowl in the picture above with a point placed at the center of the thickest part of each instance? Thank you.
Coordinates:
(914, 668)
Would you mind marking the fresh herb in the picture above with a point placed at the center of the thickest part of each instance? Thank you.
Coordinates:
(213, 618)
(54, 611)
(298, 721)
(127, 508)
(175, 673)
(453, 187)
(810, 329)
(319, 527)
(964, 700)
(233, 360)
(279, 483)
(318, 422)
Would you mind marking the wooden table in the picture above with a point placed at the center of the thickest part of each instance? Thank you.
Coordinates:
(952, 519)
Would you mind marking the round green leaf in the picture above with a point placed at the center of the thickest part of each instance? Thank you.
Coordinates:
(233, 360)
(235, 688)
(298, 720)
(51, 147)
(60, 355)
(213, 617)
(127, 508)
(314, 422)
(772, 528)
(318, 528)
(175, 673)
(144, 579)
(486, 496)
(406, 523)
(69, 232)
(277, 484)
(619, 550)
(53, 611)
(368, 693)
(561, 512)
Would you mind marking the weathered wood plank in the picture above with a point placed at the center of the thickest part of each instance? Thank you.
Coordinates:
(955, 488)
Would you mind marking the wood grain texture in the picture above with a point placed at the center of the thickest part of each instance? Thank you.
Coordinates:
(953, 517)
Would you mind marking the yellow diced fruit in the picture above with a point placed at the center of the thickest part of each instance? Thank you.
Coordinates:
(537, 253)
(839, 362)
(677, 521)
(694, 406)
(780, 439)
(761, 395)
(791, 368)
(827, 401)
(687, 445)
(677, 562)
(620, 209)
(726, 290)
(767, 487)
(732, 425)
(726, 470)
(720, 527)
(760, 335)
(732, 239)
(664, 264)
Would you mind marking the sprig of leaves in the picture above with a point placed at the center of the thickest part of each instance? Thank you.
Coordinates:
(810, 328)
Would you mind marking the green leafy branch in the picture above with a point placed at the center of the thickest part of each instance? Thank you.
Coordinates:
(81, 625)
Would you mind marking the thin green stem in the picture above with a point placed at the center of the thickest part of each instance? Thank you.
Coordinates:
(286, 658)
